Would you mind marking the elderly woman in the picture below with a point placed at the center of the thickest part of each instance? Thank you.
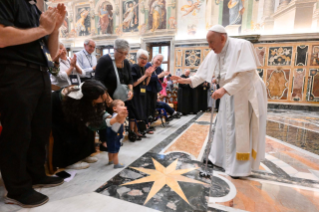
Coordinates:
(106, 74)
(70, 71)
(152, 88)
(141, 78)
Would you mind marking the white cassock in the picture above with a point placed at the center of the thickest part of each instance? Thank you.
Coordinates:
(239, 139)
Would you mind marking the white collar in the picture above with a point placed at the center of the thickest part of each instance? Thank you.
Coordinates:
(223, 52)
(86, 53)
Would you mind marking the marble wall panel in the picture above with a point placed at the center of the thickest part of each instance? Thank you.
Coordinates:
(261, 73)
(277, 83)
(298, 84)
(313, 86)
(178, 58)
(261, 53)
(301, 55)
(314, 61)
(192, 57)
(280, 56)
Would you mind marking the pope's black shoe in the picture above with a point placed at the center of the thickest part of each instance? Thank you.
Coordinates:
(29, 199)
(48, 182)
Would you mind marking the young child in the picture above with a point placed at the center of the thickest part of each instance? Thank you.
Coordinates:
(114, 136)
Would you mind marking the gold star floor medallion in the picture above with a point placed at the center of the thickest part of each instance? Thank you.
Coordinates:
(162, 176)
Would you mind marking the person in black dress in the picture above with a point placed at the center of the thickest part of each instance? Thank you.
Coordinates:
(185, 96)
(141, 78)
(106, 74)
(76, 115)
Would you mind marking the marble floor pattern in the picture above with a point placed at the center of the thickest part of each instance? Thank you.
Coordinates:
(162, 173)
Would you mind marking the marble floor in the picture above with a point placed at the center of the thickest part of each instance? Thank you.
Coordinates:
(163, 173)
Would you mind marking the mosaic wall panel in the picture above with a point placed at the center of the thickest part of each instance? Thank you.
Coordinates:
(261, 73)
(261, 52)
(280, 56)
(192, 58)
(313, 86)
(298, 84)
(293, 82)
(301, 55)
(315, 56)
(278, 83)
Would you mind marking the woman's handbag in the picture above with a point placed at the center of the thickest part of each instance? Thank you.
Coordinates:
(121, 91)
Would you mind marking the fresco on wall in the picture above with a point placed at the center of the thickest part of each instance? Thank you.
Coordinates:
(130, 16)
(157, 15)
(298, 84)
(106, 18)
(64, 29)
(277, 84)
(315, 56)
(301, 55)
(83, 21)
(191, 16)
(279, 56)
(192, 57)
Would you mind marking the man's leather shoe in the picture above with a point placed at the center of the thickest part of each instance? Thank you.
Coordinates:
(29, 199)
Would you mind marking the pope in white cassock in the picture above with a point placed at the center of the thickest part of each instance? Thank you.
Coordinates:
(239, 139)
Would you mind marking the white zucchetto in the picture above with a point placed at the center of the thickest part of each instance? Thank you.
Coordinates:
(218, 28)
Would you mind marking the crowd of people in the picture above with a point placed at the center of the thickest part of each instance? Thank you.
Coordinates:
(75, 119)
(91, 96)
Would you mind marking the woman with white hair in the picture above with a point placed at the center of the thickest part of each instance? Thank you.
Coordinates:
(137, 109)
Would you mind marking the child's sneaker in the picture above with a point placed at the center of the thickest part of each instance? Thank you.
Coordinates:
(119, 165)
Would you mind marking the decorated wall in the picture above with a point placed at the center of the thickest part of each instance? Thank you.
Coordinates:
(186, 19)
(285, 32)
(289, 70)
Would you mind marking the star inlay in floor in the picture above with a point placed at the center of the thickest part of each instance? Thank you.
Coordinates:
(162, 182)
(165, 176)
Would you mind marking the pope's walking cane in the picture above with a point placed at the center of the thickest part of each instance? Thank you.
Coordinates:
(210, 141)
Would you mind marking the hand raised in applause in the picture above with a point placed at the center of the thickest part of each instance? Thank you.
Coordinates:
(219, 93)
(60, 16)
(48, 20)
(149, 71)
(73, 61)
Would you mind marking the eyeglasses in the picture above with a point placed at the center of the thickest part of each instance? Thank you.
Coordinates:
(142, 58)
(122, 53)
(91, 46)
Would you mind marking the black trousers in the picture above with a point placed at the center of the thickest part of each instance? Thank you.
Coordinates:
(151, 103)
(25, 107)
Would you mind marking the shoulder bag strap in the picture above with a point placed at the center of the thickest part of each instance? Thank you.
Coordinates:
(115, 70)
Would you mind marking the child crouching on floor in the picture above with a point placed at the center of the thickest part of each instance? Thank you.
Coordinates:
(114, 136)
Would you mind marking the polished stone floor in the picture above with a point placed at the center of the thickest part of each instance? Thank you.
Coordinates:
(162, 173)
